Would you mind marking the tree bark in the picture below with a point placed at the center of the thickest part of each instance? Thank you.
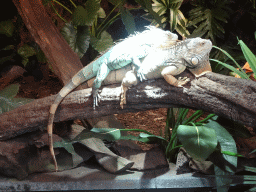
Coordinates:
(64, 61)
(223, 95)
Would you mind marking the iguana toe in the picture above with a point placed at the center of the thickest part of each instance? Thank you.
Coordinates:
(182, 81)
(96, 98)
(141, 76)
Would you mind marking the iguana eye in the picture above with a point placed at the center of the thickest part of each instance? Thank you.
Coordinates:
(194, 61)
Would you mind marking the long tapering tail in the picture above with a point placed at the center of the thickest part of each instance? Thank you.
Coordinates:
(82, 76)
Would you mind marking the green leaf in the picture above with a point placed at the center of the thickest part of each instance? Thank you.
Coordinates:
(146, 4)
(199, 141)
(25, 52)
(209, 18)
(231, 154)
(222, 182)
(228, 55)
(242, 74)
(79, 16)
(7, 100)
(86, 16)
(76, 159)
(7, 28)
(41, 57)
(110, 134)
(153, 138)
(135, 138)
(8, 47)
(128, 20)
(10, 91)
(78, 39)
(102, 44)
(249, 56)
(101, 13)
(227, 143)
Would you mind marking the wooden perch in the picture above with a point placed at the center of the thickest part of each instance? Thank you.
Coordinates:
(223, 95)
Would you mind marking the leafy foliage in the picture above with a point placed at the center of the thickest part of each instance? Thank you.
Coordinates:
(7, 28)
(199, 141)
(208, 18)
(169, 12)
(7, 100)
(86, 16)
(78, 38)
(249, 56)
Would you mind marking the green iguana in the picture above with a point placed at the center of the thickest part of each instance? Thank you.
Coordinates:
(128, 51)
(168, 62)
(154, 53)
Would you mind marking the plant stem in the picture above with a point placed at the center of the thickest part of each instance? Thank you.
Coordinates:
(73, 3)
(62, 6)
(58, 13)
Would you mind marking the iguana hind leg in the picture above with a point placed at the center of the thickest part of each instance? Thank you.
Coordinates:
(129, 80)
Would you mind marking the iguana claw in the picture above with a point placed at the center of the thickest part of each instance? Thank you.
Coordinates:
(182, 81)
(141, 76)
(96, 97)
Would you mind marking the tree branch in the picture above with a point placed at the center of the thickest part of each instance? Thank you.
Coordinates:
(223, 95)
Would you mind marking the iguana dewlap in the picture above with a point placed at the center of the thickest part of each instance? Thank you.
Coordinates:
(128, 51)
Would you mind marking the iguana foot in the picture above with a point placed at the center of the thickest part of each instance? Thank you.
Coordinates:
(141, 76)
(96, 97)
(182, 81)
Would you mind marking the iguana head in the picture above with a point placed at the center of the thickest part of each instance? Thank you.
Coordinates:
(197, 55)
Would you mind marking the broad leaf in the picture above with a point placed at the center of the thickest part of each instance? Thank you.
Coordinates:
(7, 100)
(102, 44)
(227, 143)
(199, 141)
(86, 16)
(25, 52)
(249, 56)
(221, 181)
(78, 39)
(146, 4)
(110, 134)
(128, 21)
(76, 159)
(153, 138)
(7, 28)
(10, 91)
(208, 18)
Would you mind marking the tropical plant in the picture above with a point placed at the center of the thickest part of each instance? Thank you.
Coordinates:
(7, 100)
(208, 18)
(249, 56)
(170, 14)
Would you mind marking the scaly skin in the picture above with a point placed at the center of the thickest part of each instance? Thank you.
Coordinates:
(167, 63)
(128, 51)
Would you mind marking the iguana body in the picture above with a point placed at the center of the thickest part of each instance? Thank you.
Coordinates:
(191, 53)
(128, 51)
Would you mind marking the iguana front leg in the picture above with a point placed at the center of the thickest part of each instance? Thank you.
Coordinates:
(101, 75)
(170, 71)
(167, 72)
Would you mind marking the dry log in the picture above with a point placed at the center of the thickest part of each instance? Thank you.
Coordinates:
(11, 75)
(223, 95)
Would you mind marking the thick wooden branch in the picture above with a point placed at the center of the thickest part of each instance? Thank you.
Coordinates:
(226, 96)
(64, 61)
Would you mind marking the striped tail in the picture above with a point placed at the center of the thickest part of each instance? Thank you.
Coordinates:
(82, 76)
